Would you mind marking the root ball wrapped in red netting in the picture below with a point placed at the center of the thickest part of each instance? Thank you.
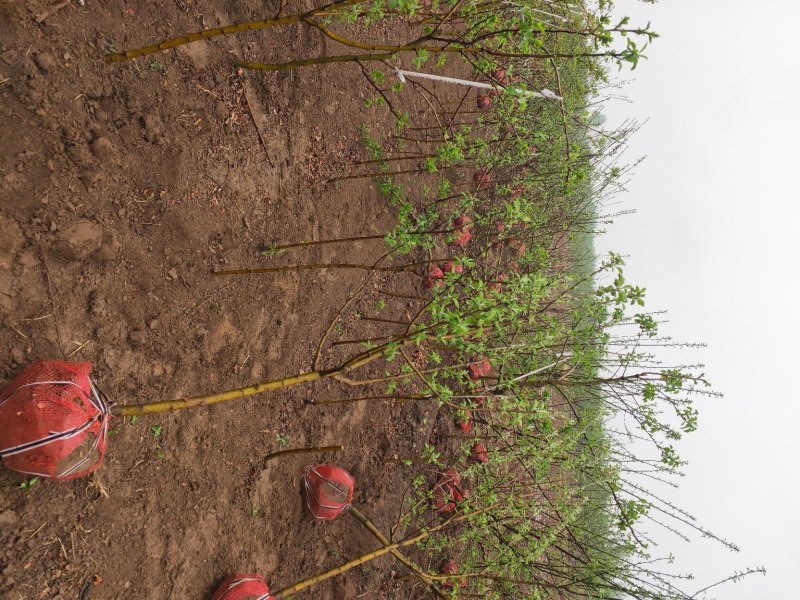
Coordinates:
(327, 491)
(243, 587)
(53, 421)
(479, 454)
(447, 492)
(434, 278)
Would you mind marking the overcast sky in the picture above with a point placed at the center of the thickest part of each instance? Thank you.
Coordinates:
(716, 242)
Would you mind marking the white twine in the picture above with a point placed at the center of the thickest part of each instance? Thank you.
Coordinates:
(545, 93)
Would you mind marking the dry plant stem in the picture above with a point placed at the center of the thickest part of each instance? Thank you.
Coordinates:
(310, 267)
(358, 238)
(394, 159)
(256, 124)
(407, 268)
(424, 577)
(363, 398)
(381, 93)
(361, 341)
(380, 174)
(382, 320)
(287, 66)
(309, 581)
(344, 307)
(40, 18)
(359, 382)
(396, 295)
(323, 242)
(417, 459)
(427, 140)
(303, 451)
(217, 31)
(419, 374)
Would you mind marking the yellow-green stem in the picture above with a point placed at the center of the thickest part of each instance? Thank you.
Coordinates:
(171, 405)
(309, 581)
(424, 577)
(225, 30)
(359, 360)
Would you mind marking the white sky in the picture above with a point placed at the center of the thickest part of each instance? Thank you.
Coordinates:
(716, 242)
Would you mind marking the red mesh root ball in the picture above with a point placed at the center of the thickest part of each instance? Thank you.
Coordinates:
(53, 421)
(482, 178)
(464, 424)
(450, 267)
(434, 278)
(461, 230)
(479, 454)
(447, 492)
(449, 567)
(243, 587)
(481, 368)
(327, 491)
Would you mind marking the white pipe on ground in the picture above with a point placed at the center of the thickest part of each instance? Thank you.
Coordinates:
(545, 93)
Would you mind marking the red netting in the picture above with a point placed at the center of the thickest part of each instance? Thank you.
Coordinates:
(481, 368)
(53, 421)
(242, 587)
(479, 454)
(449, 567)
(447, 492)
(327, 491)
(464, 424)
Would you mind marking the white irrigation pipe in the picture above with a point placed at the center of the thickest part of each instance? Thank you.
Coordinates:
(572, 8)
(401, 75)
(567, 356)
(520, 7)
(544, 12)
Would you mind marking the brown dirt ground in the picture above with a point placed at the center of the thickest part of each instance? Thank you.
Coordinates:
(122, 187)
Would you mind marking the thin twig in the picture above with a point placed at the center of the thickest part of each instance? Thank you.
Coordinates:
(78, 348)
(302, 451)
(19, 332)
(53, 9)
(255, 122)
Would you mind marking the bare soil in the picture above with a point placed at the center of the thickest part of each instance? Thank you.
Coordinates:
(122, 187)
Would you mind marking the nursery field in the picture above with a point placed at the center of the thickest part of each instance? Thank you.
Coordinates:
(149, 178)
(406, 265)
